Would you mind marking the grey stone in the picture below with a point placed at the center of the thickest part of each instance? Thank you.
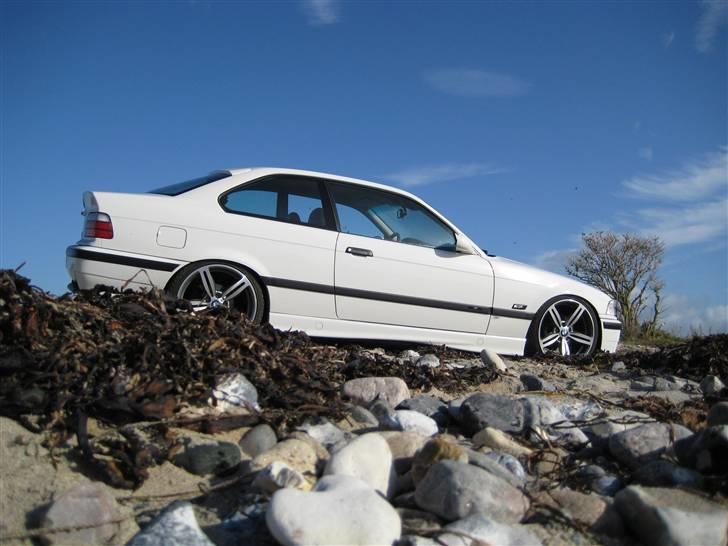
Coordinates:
(718, 414)
(384, 413)
(295, 453)
(404, 446)
(367, 458)
(663, 473)
(454, 408)
(669, 516)
(639, 445)
(246, 526)
(428, 405)
(365, 390)
(641, 385)
(492, 361)
(492, 410)
(278, 475)
(207, 456)
(414, 421)
(593, 511)
(409, 356)
(175, 526)
(428, 361)
(711, 385)
(340, 510)
(500, 441)
(607, 485)
(578, 410)
(453, 490)
(486, 462)
(325, 433)
(363, 416)
(600, 432)
(509, 462)
(662, 384)
(258, 439)
(235, 392)
(534, 383)
(541, 415)
(90, 504)
(478, 529)
(419, 520)
(619, 366)
(705, 451)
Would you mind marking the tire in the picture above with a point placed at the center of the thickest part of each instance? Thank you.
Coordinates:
(211, 284)
(565, 326)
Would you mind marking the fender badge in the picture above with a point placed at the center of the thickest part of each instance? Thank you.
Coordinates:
(519, 306)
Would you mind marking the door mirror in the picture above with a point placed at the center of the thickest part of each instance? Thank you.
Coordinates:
(462, 245)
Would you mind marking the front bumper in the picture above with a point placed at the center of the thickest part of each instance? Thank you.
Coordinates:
(611, 332)
(90, 266)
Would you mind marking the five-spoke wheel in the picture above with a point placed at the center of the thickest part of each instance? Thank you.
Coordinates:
(209, 285)
(565, 326)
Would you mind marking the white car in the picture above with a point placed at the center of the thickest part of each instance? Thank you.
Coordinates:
(335, 257)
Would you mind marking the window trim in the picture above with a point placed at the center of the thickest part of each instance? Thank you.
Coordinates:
(331, 222)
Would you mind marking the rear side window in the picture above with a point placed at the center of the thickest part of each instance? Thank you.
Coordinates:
(187, 185)
(292, 199)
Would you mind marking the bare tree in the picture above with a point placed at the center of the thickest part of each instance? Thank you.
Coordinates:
(625, 267)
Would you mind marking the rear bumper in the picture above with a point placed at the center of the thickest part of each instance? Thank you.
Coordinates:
(611, 331)
(89, 266)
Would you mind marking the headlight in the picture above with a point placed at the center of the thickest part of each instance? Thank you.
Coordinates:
(612, 308)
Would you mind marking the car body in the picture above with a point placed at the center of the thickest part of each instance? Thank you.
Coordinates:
(335, 257)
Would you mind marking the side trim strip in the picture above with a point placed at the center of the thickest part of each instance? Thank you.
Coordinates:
(612, 325)
(121, 260)
(394, 298)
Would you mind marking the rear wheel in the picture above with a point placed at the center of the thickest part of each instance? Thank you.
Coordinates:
(565, 325)
(210, 285)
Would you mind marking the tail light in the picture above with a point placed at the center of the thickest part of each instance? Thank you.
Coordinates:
(98, 226)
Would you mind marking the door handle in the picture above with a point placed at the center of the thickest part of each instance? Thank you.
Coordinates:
(364, 252)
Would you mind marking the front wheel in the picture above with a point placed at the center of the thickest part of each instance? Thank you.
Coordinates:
(565, 325)
(209, 285)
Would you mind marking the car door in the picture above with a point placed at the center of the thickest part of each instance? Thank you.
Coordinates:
(396, 264)
(283, 223)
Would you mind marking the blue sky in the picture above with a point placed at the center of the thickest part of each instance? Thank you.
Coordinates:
(525, 123)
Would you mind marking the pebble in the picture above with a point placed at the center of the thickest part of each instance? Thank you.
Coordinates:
(258, 439)
(367, 458)
(660, 516)
(711, 385)
(486, 462)
(600, 432)
(619, 366)
(541, 415)
(278, 475)
(478, 529)
(296, 454)
(85, 504)
(664, 473)
(363, 416)
(492, 410)
(428, 361)
(718, 414)
(453, 490)
(414, 421)
(175, 526)
(325, 433)
(403, 446)
(705, 451)
(234, 392)
(419, 520)
(454, 406)
(433, 451)
(593, 511)
(607, 485)
(500, 441)
(204, 456)
(428, 405)
(408, 356)
(340, 510)
(365, 390)
(492, 360)
(639, 445)
(534, 383)
(509, 462)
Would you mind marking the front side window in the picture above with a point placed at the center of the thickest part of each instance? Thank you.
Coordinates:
(296, 200)
(375, 213)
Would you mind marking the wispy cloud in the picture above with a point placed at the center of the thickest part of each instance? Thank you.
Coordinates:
(321, 12)
(668, 38)
(685, 316)
(686, 225)
(469, 82)
(695, 180)
(432, 174)
(714, 16)
(646, 153)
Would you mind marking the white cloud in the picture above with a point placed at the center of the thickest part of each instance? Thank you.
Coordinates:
(695, 180)
(686, 225)
(714, 15)
(646, 153)
(683, 316)
(432, 174)
(554, 260)
(668, 38)
(469, 82)
(321, 12)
